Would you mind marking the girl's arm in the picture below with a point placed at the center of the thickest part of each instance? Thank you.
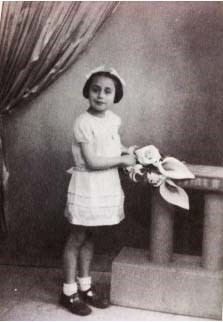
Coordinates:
(124, 149)
(95, 162)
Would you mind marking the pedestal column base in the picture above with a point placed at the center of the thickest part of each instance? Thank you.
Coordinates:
(180, 287)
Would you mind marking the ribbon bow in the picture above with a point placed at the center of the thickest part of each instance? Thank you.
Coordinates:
(160, 173)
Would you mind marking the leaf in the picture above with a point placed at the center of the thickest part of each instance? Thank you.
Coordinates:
(174, 169)
(174, 194)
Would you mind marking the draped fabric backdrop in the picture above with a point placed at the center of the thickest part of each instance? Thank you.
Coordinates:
(38, 42)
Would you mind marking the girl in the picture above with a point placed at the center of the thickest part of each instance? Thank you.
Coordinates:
(95, 197)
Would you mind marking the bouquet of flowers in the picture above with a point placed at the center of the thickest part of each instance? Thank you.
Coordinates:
(160, 172)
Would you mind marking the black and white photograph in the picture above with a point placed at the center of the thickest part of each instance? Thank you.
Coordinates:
(111, 160)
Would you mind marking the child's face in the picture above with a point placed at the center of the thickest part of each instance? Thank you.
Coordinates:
(101, 93)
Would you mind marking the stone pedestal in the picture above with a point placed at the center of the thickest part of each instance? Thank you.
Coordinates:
(212, 252)
(161, 233)
(166, 282)
(182, 286)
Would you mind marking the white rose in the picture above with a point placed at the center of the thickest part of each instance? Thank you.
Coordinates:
(148, 155)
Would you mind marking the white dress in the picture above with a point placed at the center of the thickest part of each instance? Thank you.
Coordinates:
(95, 198)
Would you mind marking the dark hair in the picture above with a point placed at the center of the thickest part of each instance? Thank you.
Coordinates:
(116, 80)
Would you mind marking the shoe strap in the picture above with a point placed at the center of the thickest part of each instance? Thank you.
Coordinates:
(74, 298)
(91, 292)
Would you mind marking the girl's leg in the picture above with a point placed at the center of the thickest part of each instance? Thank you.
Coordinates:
(86, 255)
(88, 293)
(71, 252)
(70, 297)
(85, 260)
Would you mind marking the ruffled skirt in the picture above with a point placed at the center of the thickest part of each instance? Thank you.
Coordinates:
(95, 198)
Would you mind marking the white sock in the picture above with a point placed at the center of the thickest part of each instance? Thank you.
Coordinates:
(84, 283)
(69, 289)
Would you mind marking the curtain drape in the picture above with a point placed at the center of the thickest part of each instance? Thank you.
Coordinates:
(38, 42)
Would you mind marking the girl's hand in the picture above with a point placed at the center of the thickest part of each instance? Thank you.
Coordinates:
(128, 160)
(131, 149)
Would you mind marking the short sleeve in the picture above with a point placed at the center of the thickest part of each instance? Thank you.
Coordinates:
(82, 131)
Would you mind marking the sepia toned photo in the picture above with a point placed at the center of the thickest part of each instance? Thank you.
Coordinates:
(111, 195)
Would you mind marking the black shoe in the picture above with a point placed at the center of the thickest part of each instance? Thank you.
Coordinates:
(92, 298)
(75, 304)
